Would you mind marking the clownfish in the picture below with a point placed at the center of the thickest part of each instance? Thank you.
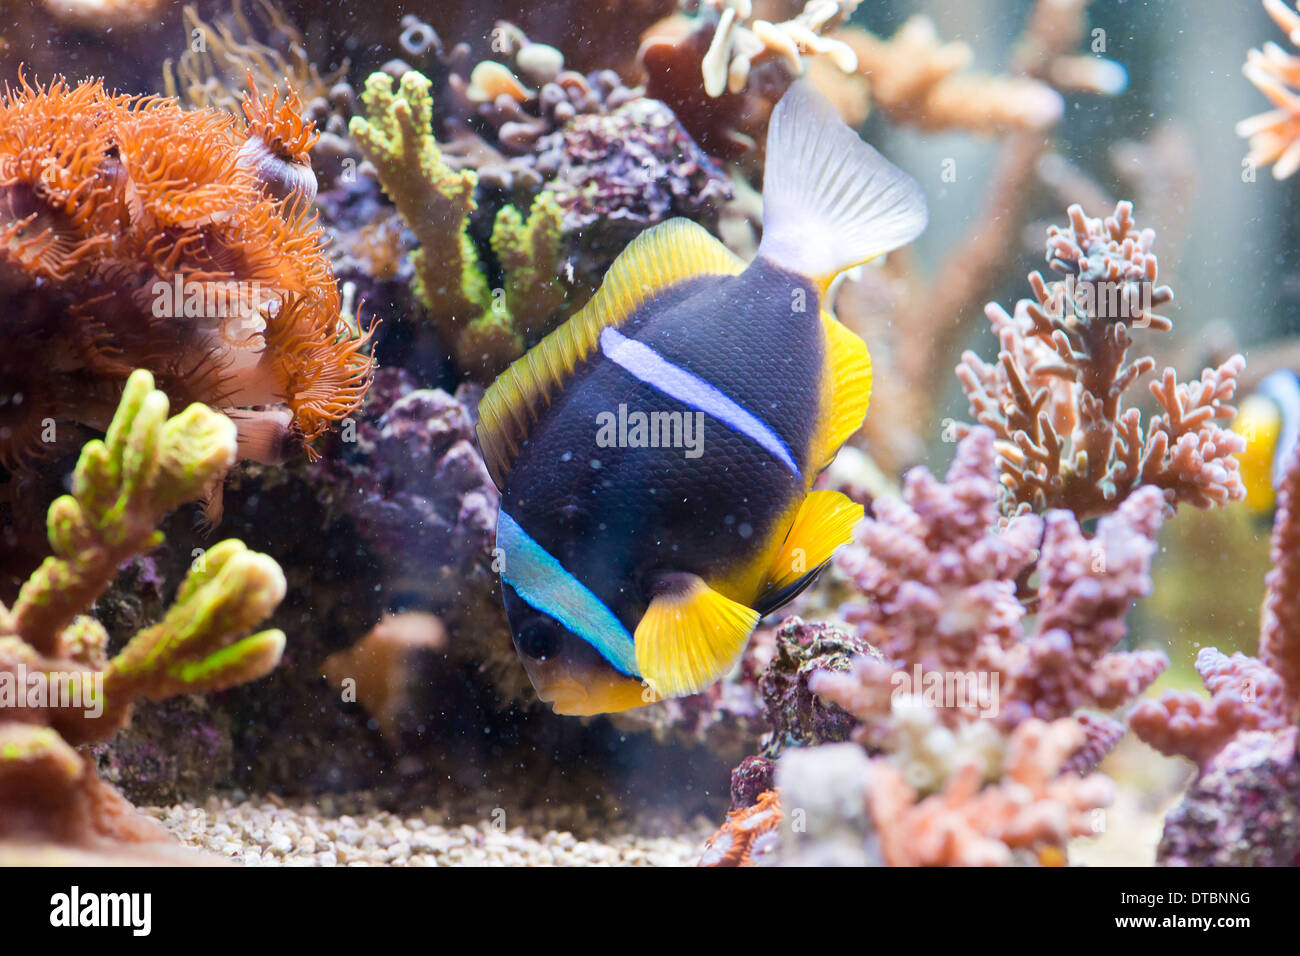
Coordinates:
(1269, 420)
(656, 453)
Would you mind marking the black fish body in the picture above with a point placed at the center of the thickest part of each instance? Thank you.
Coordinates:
(656, 454)
(618, 516)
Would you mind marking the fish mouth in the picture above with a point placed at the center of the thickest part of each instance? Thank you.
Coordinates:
(566, 696)
(574, 698)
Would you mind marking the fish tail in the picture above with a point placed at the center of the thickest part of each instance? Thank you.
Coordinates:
(830, 201)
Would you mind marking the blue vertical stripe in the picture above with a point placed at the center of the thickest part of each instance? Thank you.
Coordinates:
(650, 367)
(539, 579)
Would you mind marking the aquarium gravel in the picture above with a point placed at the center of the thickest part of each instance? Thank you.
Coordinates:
(270, 832)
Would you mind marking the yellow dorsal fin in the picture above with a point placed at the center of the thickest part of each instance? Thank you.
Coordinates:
(848, 384)
(825, 522)
(690, 636)
(656, 260)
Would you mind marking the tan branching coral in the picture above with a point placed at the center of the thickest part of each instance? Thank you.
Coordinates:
(937, 306)
(136, 234)
(379, 670)
(482, 329)
(1056, 396)
(917, 79)
(147, 465)
(1275, 135)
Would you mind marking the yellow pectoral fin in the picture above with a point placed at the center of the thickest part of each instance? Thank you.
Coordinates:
(825, 522)
(690, 636)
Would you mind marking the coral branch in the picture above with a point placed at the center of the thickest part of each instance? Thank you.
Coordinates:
(939, 580)
(147, 465)
(919, 80)
(1055, 397)
(484, 332)
(1279, 638)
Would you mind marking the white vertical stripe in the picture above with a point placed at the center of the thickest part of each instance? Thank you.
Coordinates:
(647, 365)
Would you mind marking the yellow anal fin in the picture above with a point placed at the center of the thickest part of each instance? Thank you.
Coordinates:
(690, 636)
(847, 391)
(825, 522)
(654, 261)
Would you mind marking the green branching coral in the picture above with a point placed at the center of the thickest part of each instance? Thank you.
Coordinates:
(485, 329)
(146, 465)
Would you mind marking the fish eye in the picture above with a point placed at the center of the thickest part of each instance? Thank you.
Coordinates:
(539, 640)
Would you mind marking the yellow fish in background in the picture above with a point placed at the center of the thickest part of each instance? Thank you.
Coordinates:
(1269, 420)
(656, 453)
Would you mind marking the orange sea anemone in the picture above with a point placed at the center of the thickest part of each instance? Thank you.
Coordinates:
(278, 145)
(136, 234)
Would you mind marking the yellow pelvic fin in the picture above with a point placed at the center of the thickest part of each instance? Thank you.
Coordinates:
(654, 261)
(690, 636)
(825, 522)
(847, 391)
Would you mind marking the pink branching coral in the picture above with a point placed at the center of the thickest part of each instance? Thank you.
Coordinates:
(940, 583)
(1243, 809)
(1246, 693)
(1275, 135)
(1055, 398)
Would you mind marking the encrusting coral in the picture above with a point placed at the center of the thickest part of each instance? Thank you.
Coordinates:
(136, 234)
(58, 687)
(1275, 135)
(1055, 398)
(417, 490)
(483, 328)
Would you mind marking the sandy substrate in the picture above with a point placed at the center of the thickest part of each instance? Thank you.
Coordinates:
(274, 833)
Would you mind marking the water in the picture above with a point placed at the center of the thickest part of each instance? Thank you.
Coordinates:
(334, 227)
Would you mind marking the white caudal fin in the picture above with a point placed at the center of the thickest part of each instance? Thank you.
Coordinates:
(830, 201)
